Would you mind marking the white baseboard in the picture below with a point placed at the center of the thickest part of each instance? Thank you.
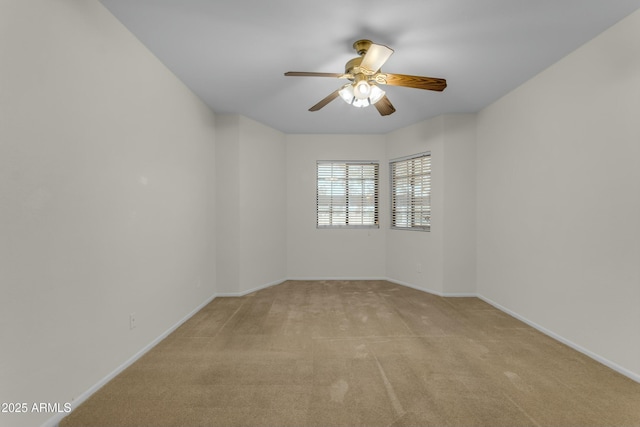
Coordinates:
(412, 286)
(624, 371)
(398, 282)
(53, 421)
(431, 291)
(250, 291)
(459, 295)
(277, 282)
(336, 278)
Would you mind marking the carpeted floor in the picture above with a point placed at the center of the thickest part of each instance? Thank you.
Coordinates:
(359, 353)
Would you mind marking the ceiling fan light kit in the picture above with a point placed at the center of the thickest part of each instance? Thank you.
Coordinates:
(365, 76)
(361, 89)
(351, 96)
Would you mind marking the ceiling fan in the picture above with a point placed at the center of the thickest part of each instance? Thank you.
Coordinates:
(365, 76)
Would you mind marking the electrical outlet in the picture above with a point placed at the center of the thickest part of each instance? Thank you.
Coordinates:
(132, 321)
(419, 268)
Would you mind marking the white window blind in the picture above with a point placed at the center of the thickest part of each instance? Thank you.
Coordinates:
(347, 194)
(411, 193)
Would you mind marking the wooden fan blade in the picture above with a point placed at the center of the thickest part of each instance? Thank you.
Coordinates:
(325, 101)
(384, 106)
(306, 74)
(417, 82)
(375, 57)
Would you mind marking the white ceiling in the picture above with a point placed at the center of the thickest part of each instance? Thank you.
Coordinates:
(233, 53)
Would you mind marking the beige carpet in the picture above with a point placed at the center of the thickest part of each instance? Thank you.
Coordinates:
(359, 353)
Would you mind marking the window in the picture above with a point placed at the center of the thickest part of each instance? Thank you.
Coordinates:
(411, 192)
(347, 194)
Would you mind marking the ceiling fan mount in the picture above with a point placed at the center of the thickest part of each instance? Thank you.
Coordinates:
(362, 46)
(365, 76)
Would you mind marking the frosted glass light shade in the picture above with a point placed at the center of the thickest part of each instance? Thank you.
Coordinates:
(348, 94)
(360, 102)
(376, 94)
(362, 90)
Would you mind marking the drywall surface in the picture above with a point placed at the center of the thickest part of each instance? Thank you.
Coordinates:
(263, 206)
(441, 261)
(459, 213)
(251, 205)
(559, 198)
(326, 253)
(227, 193)
(416, 258)
(106, 201)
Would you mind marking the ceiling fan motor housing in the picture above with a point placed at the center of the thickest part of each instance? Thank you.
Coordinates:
(352, 67)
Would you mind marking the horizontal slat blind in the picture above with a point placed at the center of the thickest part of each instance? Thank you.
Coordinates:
(347, 194)
(411, 193)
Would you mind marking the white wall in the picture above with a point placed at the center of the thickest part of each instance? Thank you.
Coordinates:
(227, 173)
(459, 213)
(325, 253)
(416, 258)
(559, 198)
(251, 205)
(440, 261)
(263, 222)
(105, 199)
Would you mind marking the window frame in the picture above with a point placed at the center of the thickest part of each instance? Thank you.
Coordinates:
(376, 196)
(412, 212)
